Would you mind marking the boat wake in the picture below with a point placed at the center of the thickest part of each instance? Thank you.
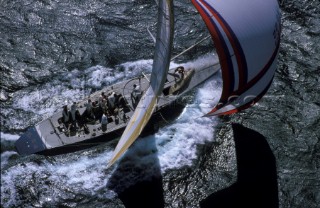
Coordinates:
(73, 177)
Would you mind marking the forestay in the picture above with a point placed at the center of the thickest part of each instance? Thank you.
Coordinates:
(246, 34)
(160, 68)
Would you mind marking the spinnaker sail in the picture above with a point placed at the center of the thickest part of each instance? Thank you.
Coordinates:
(246, 34)
(160, 68)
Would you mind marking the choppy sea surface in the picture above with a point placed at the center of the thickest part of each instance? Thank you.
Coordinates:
(52, 52)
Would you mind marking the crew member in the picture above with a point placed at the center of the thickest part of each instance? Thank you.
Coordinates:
(65, 115)
(104, 105)
(180, 72)
(101, 97)
(89, 113)
(73, 117)
(111, 102)
(96, 110)
(135, 95)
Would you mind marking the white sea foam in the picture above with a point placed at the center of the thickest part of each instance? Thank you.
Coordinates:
(85, 172)
(99, 76)
(5, 157)
(8, 137)
(83, 175)
(176, 144)
(45, 101)
(203, 61)
(135, 68)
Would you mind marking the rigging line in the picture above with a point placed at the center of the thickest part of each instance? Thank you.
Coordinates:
(153, 38)
(163, 118)
(190, 48)
(145, 76)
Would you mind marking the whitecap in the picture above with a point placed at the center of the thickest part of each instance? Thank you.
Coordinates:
(8, 137)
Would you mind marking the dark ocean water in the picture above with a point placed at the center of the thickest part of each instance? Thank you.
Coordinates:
(57, 51)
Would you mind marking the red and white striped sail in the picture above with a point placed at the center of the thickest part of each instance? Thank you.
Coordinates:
(246, 34)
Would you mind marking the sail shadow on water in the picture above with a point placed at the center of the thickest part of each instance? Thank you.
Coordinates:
(256, 184)
(137, 176)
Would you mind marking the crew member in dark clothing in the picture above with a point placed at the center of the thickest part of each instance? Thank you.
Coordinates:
(96, 110)
(73, 117)
(80, 121)
(88, 114)
(66, 116)
(123, 107)
(122, 103)
(136, 95)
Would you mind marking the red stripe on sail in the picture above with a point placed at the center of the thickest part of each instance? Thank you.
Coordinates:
(249, 104)
(241, 62)
(226, 91)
